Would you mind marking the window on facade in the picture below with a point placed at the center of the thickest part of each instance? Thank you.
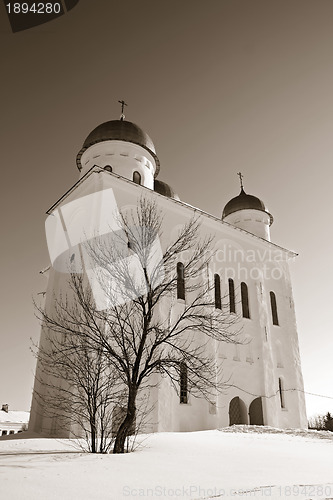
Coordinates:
(232, 305)
(245, 300)
(236, 353)
(281, 392)
(137, 177)
(4, 433)
(248, 344)
(275, 318)
(217, 288)
(108, 168)
(180, 281)
(183, 383)
(278, 348)
(11, 432)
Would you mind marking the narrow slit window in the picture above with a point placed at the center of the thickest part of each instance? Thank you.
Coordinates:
(245, 300)
(137, 177)
(217, 288)
(183, 383)
(275, 318)
(281, 392)
(180, 281)
(232, 305)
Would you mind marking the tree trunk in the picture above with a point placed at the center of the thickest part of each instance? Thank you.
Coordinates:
(93, 436)
(126, 425)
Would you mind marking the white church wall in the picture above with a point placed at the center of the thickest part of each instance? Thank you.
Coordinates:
(283, 341)
(43, 419)
(251, 370)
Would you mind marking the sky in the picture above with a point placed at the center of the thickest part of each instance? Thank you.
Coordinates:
(221, 86)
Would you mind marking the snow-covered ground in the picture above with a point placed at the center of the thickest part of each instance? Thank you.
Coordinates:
(237, 462)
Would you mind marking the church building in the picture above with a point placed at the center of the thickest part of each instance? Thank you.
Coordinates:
(117, 164)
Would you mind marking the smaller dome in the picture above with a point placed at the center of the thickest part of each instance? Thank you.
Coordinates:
(164, 188)
(245, 201)
(119, 130)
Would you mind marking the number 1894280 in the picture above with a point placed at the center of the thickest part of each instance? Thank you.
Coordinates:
(35, 8)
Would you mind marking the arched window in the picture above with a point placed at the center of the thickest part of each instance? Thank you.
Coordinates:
(245, 300)
(180, 281)
(217, 288)
(108, 168)
(275, 318)
(183, 383)
(281, 392)
(232, 305)
(137, 177)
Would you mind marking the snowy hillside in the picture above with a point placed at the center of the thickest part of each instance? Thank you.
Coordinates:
(238, 462)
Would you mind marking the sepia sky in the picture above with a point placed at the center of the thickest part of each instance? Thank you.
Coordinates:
(221, 86)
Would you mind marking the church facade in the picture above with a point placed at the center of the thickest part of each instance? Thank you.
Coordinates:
(118, 164)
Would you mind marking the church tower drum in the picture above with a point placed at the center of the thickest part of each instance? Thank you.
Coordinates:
(123, 148)
(249, 213)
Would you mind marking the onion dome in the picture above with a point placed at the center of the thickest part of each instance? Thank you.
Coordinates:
(164, 189)
(119, 130)
(245, 201)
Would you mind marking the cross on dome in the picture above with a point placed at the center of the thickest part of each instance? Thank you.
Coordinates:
(240, 175)
(123, 104)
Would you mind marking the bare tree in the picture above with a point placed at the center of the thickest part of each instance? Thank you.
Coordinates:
(78, 386)
(160, 315)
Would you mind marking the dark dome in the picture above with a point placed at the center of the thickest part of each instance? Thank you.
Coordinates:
(164, 188)
(119, 130)
(244, 201)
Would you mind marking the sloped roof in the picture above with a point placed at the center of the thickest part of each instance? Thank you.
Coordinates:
(15, 417)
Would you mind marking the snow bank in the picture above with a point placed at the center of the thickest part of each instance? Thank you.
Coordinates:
(238, 462)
